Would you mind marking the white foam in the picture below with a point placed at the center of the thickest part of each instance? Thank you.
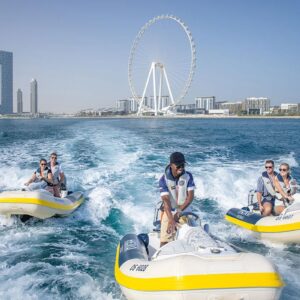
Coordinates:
(13, 178)
(228, 185)
(99, 204)
(141, 216)
(81, 284)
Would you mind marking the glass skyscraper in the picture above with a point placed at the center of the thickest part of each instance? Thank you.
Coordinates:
(6, 82)
(19, 101)
(33, 97)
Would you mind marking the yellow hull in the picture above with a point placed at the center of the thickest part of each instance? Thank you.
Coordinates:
(284, 228)
(40, 204)
(195, 275)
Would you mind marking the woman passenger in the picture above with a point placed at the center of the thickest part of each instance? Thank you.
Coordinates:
(41, 178)
(285, 185)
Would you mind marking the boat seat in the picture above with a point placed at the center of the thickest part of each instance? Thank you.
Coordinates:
(293, 207)
(173, 248)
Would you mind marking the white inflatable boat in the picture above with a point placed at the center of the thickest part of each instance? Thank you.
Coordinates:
(284, 228)
(40, 203)
(193, 267)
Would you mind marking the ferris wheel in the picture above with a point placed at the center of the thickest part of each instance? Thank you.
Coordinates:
(163, 53)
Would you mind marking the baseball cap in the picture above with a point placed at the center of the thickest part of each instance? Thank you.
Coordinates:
(177, 158)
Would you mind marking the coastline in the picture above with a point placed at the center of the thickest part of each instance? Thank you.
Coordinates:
(183, 116)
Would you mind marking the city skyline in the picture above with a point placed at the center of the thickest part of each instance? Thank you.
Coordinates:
(79, 52)
(6, 82)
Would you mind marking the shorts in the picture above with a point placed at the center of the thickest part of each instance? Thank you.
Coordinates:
(166, 237)
(271, 201)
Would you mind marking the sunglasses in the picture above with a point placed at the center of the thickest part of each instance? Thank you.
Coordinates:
(180, 167)
(284, 170)
(268, 167)
(53, 157)
(43, 164)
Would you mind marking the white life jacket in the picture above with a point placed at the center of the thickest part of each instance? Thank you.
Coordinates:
(292, 188)
(177, 193)
(268, 184)
(55, 172)
(38, 174)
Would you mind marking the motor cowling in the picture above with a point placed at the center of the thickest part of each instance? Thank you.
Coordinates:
(132, 247)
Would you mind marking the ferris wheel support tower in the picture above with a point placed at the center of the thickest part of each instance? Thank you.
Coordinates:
(159, 68)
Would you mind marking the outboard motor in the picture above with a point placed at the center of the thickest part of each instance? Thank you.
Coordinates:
(251, 197)
(132, 247)
(252, 200)
(63, 188)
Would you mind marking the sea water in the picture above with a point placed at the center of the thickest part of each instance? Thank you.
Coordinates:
(117, 164)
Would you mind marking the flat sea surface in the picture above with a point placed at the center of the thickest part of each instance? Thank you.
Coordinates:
(117, 164)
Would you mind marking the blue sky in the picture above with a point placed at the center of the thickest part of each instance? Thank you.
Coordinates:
(78, 50)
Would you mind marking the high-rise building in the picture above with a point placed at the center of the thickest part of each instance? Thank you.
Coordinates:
(206, 103)
(33, 96)
(149, 102)
(19, 101)
(259, 104)
(133, 105)
(165, 102)
(6, 82)
(123, 106)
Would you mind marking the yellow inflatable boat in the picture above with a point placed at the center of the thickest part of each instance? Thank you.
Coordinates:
(193, 267)
(40, 203)
(283, 228)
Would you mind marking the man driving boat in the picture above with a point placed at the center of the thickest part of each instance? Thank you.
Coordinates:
(177, 193)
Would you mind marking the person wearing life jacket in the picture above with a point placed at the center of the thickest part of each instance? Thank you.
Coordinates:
(286, 185)
(41, 178)
(266, 193)
(57, 174)
(177, 193)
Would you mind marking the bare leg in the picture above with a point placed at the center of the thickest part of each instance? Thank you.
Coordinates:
(279, 209)
(267, 209)
(163, 243)
(50, 189)
(56, 191)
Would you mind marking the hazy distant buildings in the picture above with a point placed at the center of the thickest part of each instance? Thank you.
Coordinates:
(233, 108)
(185, 108)
(206, 103)
(218, 104)
(33, 96)
(150, 103)
(6, 82)
(165, 102)
(223, 112)
(123, 106)
(133, 105)
(19, 101)
(291, 107)
(253, 105)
